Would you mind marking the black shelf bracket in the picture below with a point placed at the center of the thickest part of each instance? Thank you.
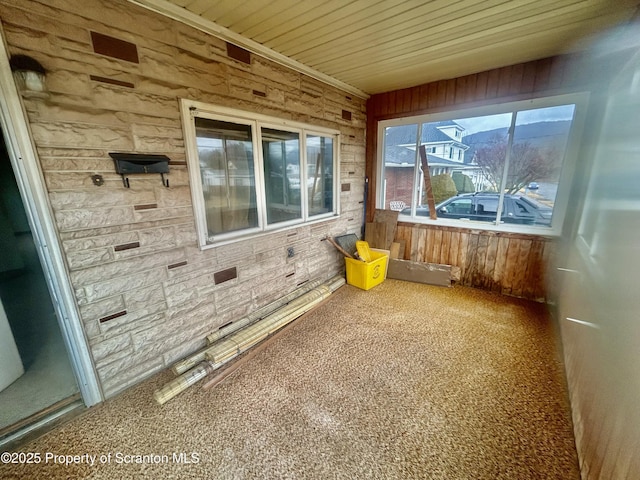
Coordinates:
(140, 163)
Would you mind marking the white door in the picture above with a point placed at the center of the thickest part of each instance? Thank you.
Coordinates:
(9, 357)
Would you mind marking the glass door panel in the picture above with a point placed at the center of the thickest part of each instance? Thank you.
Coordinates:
(35, 371)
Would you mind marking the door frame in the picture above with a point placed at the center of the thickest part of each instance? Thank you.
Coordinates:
(31, 183)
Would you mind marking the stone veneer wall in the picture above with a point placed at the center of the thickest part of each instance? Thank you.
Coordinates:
(145, 292)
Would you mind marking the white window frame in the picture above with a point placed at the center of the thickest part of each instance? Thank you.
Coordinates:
(190, 109)
(303, 162)
(580, 100)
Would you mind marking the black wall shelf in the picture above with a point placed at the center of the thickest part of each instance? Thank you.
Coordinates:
(140, 163)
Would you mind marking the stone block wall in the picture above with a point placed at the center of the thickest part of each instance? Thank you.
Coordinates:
(145, 292)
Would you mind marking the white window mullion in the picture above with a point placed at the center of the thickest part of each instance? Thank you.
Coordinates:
(194, 174)
(417, 173)
(505, 171)
(261, 195)
(303, 175)
(381, 170)
(336, 175)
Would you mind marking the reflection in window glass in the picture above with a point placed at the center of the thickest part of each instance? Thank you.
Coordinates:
(319, 174)
(445, 152)
(459, 207)
(399, 159)
(487, 206)
(225, 154)
(281, 151)
(486, 138)
(538, 151)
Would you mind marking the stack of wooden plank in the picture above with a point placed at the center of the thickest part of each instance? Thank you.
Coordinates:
(231, 340)
(381, 234)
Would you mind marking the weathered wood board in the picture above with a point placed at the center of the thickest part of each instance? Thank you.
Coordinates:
(375, 234)
(390, 219)
(394, 250)
(418, 272)
(508, 263)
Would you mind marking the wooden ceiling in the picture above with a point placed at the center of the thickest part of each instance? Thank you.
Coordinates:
(374, 46)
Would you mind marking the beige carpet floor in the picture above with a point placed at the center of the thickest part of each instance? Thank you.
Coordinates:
(402, 381)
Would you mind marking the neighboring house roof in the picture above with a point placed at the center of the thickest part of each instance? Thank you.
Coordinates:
(404, 157)
(400, 144)
(399, 156)
(406, 134)
(433, 134)
(435, 161)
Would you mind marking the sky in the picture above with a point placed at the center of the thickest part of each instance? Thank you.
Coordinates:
(503, 120)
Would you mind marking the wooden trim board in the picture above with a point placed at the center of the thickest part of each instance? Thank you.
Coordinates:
(375, 234)
(390, 219)
(419, 272)
(252, 352)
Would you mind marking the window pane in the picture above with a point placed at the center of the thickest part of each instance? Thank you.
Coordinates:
(399, 158)
(485, 141)
(487, 205)
(443, 142)
(225, 153)
(464, 150)
(539, 145)
(281, 151)
(459, 207)
(319, 174)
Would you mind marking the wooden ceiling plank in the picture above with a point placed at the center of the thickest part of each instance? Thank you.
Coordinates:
(492, 36)
(386, 22)
(424, 31)
(517, 50)
(304, 24)
(199, 6)
(348, 32)
(254, 23)
(354, 15)
(381, 37)
(236, 13)
(296, 14)
(388, 68)
(258, 22)
(273, 26)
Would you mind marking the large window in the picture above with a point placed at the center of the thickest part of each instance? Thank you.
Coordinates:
(502, 167)
(251, 173)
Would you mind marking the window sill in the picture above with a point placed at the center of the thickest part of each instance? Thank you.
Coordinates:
(264, 233)
(482, 226)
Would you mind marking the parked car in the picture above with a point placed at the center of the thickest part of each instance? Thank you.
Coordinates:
(483, 207)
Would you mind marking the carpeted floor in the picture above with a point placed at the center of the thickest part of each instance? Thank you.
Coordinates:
(402, 381)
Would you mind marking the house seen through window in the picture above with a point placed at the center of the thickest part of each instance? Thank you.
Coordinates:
(505, 166)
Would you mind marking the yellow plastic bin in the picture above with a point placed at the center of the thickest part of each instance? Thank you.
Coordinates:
(366, 275)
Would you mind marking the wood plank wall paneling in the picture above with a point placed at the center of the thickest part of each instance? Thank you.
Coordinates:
(506, 263)
(509, 264)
